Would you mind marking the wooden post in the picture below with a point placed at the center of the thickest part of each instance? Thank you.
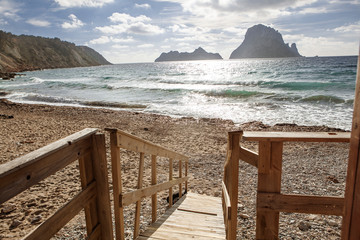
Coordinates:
(86, 177)
(117, 185)
(231, 179)
(153, 182)
(138, 203)
(180, 176)
(351, 219)
(102, 186)
(269, 181)
(186, 173)
(170, 178)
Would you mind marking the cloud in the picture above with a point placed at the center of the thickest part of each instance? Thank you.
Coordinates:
(83, 3)
(353, 28)
(74, 23)
(9, 9)
(38, 22)
(145, 6)
(128, 24)
(147, 45)
(106, 39)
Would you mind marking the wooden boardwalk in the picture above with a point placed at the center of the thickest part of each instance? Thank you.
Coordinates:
(193, 217)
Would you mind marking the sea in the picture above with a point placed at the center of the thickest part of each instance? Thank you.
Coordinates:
(303, 91)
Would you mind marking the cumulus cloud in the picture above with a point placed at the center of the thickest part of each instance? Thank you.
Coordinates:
(355, 27)
(9, 9)
(106, 39)
(74, 23)
(83, 3)
(145, 6)
(130, 24)
(38, 22)
(147, 45)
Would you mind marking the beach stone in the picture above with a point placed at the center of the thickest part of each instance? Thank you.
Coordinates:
(332, 223)
(8, 208)
(243, 216)
(36, 219)
(14, 224)
(304, 226)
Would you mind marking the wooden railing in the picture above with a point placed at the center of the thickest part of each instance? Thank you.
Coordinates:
(89, 149)
(121, 140)
(270, 201)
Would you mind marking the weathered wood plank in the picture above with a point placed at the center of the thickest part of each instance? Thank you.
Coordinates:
(131, 197)
(249, 156)
(117, 186)
(23, 172)
(188, 224)
(59, 219)
(102, 186)
(130, 142)
(227, 203)
(351, 220)
(301, 204)
(138, 203)
(269, 180)
(297, 136)
(153, 182)
(170, 179)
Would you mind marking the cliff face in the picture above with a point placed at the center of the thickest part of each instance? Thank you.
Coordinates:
(264, 42)
(21, 53)
(198, 54)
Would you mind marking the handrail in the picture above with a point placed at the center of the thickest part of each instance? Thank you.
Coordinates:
(88, 148)
(269, 160)
(122, 140)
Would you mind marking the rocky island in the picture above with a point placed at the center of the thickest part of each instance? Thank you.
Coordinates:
(26, 53)
(264, 42)
(198, 54)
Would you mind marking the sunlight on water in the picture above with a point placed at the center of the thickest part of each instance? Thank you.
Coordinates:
(312, 91)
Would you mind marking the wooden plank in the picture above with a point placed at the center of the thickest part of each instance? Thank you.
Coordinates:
(227, 202)
(180, 176)
(96, 234)
(188, 224)
(351, 219)
(249, 156)
(134, 196)
(102, 186)
(231, 179)
(269, 181)
(117, 186)
(86, 177)
(133, 143)
(59, 219)
(186, 173)
(301, 204)
(170, 179)
(23, 172)
(297, 136)
(138, 203)
(153, 182)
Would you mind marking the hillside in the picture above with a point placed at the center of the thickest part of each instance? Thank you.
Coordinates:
(264, 42)
(23, 53)
(198, 54)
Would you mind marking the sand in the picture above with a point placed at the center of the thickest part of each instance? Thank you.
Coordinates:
(316, 169)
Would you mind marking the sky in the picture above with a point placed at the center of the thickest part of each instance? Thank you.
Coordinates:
(127, 31)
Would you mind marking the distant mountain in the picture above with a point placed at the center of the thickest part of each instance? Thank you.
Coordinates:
(264, 42)
(198, 54)
(22, 53)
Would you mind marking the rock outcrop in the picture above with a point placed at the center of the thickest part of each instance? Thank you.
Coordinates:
(264, 42)
(198, 54)
(25, 53)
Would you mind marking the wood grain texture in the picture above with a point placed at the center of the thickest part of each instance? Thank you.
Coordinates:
(297, 136)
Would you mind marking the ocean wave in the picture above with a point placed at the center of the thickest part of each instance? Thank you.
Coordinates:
(112, 104)
(43, 98)
(36, 80)
(298, 86)
(234, 94)
(324, 99)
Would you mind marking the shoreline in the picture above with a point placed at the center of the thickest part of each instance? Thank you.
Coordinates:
(308, 168)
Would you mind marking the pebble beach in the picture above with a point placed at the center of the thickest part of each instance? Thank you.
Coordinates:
(308, 168)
